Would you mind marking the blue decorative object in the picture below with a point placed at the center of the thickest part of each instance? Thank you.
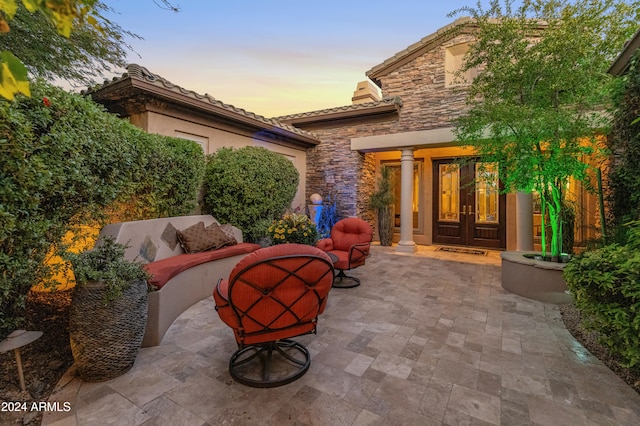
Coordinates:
(327, 218)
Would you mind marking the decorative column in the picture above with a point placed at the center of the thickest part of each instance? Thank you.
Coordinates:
(406, 243)
(524, 221)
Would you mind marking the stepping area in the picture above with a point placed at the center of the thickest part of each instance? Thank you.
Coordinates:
(428, 338)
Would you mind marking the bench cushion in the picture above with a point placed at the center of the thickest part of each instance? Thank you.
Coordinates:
(163, 270)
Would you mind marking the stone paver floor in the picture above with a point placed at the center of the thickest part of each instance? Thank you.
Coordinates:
(427, 339)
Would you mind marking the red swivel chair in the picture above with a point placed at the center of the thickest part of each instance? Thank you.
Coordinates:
(350, 242)
(273, 294)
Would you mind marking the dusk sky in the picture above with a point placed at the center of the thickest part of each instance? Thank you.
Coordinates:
(276, 57)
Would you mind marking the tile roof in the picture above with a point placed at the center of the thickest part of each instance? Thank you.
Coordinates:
(385, 105)
(161, 86)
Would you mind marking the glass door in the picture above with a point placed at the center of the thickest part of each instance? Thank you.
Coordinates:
(468, 207)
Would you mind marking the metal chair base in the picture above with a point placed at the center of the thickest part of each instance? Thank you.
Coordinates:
(345, 281)
(270, 364)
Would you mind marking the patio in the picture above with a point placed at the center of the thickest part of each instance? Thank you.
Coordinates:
(428, 338)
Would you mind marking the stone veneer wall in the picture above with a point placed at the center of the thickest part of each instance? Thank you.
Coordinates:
(333, 169)
(426, 102)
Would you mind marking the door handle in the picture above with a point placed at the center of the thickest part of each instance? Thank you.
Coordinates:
(469, 212)
(464, 210)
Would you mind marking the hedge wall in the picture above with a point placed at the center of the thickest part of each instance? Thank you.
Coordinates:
(64, 162)
(624, 143)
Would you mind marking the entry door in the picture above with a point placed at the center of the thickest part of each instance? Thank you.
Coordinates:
(468, 208)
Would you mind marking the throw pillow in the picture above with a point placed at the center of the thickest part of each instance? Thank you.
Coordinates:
(220, 235)
(195, 239)
(227, 228)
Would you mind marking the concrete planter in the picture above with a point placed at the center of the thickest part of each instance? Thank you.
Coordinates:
(534, 279)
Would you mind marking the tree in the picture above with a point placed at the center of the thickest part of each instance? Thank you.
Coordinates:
(62, 14)
(40, 40)
(536, 106)
(79, 57)
(64, 163)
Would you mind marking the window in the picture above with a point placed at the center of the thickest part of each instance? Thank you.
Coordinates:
(453, 61)
(200, 140)
(487, 192)
(449, 192)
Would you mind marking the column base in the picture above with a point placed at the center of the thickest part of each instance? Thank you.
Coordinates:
(407, 247)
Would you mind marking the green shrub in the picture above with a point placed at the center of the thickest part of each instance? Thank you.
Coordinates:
(606, 287)
(169, 176)
(243, 186)
(63, 160)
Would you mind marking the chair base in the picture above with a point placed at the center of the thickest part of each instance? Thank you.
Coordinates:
(345, 281)
(270, 364)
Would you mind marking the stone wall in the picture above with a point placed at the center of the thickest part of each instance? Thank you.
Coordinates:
(333, 169)
(426, 102)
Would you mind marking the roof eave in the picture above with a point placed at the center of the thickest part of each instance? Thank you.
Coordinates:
(462, 25)
(621, 64)
(118, 89)
(324, 117)
(221, 112)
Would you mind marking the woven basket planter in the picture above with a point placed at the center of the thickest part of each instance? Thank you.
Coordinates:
(105, 339)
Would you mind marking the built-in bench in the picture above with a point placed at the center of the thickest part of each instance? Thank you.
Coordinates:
(181, 279)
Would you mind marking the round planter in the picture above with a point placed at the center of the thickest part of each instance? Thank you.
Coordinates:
(105, 338)
(534, 279)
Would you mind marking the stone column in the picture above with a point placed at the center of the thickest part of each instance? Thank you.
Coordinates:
(406, 243)
(524, 221)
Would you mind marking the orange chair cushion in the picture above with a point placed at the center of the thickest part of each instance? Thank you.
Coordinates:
(275, 299)
(165, 269)
(350, 231)
(345, 234)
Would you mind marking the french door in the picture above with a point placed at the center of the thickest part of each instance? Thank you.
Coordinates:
(468, 208)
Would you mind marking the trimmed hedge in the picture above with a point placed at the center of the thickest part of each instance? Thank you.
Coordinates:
(63, 161)
(249, 188)
(606, 287)
(624, 142)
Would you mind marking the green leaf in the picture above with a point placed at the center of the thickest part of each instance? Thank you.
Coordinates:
(9, 7)
(13, 76)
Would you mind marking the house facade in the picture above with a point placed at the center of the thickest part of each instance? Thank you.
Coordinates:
(401, 117)
(437, 201)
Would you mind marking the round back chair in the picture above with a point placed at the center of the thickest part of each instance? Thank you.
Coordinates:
(273, 294)
(350, 242)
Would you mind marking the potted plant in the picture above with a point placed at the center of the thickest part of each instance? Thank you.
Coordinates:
(382, 201)
(108, 311)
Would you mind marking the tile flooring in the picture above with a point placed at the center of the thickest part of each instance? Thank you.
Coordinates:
(429, 338)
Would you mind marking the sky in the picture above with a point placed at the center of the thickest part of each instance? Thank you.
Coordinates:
(276, 57)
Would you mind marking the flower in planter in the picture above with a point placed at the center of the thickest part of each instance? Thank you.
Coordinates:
(293, 228)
